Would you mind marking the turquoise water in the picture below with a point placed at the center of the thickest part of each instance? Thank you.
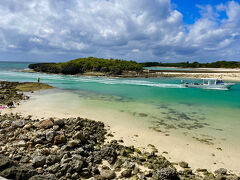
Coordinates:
(162, 101)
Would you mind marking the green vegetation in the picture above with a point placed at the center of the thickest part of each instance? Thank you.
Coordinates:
(90, 64)
(218, 64)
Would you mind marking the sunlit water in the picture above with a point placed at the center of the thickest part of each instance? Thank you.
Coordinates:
(210, 116)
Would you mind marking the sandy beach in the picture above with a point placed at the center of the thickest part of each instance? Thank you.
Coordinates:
(132, 130)
(198, 73)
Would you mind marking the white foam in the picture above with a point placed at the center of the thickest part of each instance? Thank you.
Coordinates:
(51, 78)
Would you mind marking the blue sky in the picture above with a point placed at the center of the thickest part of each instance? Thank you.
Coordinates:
(190, 8)
(142, 30)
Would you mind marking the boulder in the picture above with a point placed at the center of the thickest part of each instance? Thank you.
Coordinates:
(18, 173)
(21, 143)
(39, 161)
(50, 135)
(18, 124)
(46, 124)
(107, 174)
(59, 139)
(166, 174)
(183, 164)
(73, 143)
(5, 162)
(126, 173)
(79, 136)
(59, 122)
(221, 171)
(43, 177)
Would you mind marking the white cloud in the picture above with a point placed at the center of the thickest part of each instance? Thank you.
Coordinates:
(35, 39)
(136, 29)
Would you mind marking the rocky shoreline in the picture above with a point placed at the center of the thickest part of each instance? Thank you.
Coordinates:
(11, 93)
(224, 75)
(77, 148)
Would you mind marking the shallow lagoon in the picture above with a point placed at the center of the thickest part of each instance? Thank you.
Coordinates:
(211, 117)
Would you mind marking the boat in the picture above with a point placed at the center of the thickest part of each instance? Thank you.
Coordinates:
(209, 83)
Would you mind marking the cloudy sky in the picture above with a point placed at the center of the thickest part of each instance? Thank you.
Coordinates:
(142, 30)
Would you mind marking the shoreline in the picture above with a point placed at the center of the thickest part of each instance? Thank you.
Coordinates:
(219, 73)
(132, 135)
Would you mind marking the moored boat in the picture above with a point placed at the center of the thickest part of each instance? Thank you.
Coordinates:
(209, 83)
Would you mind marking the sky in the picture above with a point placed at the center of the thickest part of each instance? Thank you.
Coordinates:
(141, 30)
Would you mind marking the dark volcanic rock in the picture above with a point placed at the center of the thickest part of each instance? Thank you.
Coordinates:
(43, 177)
(39, 161)
(18, 173)
(222, 171)
(183, 164)
(5, 162)
(76, 149)
(166, 174)
(126, 173)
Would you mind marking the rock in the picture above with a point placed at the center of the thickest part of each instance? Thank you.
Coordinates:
(5, 162)
(183, 164)
(54, 168)
(74, 176)
(18, 124)
(55, 127)
(118, 163)
(38, 140)
(85, 173)
(18, 173)
(45, 151)
(46, 124)
(109, 154)
(73, 143)
(25, 159)
(52, 159)
(43, 177)
(6, 123)
(107, 174)
(79, 136)
(59, 122)
(21, 143)
(38, 161)
(50, 135)
(126, 173)
(220, 171)
(221, 177)
(77, 165)
(27, 126)
(166, 174)
(59, 139)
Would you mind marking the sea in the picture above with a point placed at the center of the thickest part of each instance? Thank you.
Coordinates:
(208, 116)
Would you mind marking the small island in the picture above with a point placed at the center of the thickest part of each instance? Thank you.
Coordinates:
(89, 65)
(92, 66)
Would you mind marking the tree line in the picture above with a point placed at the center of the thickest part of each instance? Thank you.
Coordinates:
(217, 64)
(90, 64)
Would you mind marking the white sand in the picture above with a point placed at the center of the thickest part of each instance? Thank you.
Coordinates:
(231, 76)
(126, 127)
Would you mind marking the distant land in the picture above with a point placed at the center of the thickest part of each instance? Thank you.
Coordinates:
(116, 67)
(90, 64)
(217, 64)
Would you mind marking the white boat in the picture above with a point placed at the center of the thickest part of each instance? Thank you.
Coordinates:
(209, 83)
